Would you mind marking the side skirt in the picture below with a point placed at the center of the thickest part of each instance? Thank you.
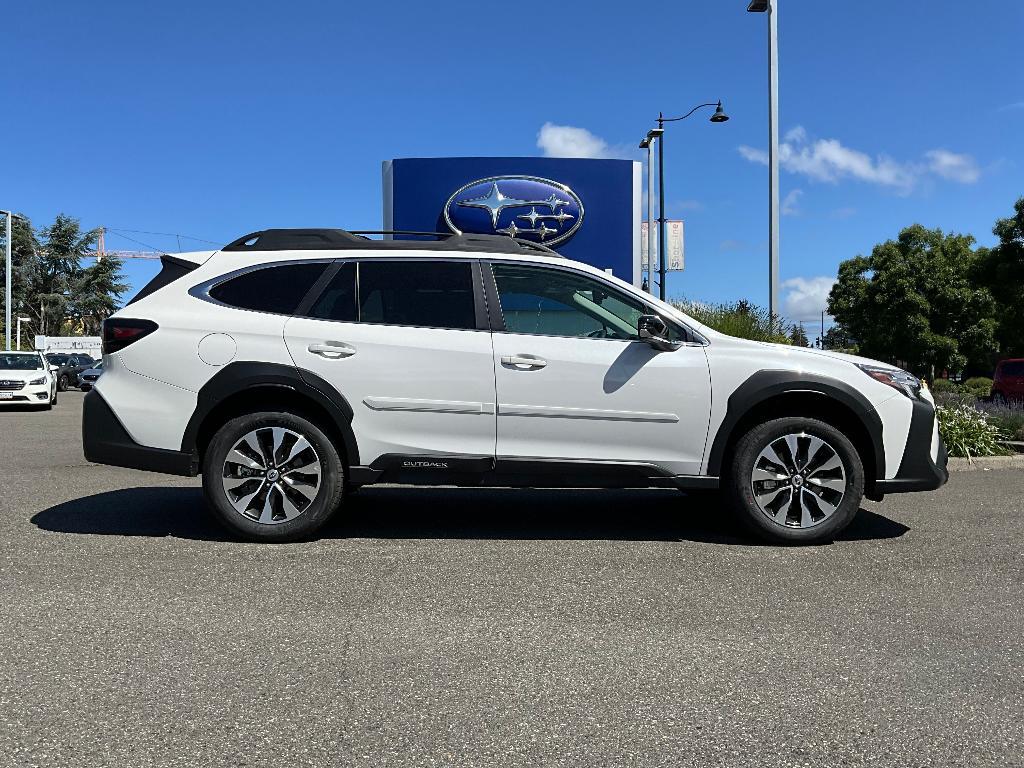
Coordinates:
(484, 471)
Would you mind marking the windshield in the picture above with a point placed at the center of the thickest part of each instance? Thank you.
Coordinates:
(14, 362)
(58, 359)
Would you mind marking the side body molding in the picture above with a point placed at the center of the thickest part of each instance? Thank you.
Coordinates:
(238, 377)
(764, 385)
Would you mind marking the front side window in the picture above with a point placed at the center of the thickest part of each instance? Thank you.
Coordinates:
(426, 294)
(276, 289)
(552, 302)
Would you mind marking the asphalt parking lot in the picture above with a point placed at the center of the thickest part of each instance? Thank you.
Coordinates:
(457, 627)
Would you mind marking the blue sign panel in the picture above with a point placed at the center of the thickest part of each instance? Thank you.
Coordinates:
(588, 210)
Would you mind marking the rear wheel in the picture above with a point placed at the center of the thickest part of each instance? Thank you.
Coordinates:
(272, 477)
(796, 480)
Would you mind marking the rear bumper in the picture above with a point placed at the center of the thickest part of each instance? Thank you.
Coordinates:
(106, 441)
(918, 471)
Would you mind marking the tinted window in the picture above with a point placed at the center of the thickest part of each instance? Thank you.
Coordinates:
(338, 301)
(58, 359)
(551, 302)
(272, 289)
(1015, 368)
(421, 293)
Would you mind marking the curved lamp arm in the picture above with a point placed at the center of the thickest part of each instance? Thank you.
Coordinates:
(662, 119)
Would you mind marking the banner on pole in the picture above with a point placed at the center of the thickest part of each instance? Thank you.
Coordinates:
(674, 245)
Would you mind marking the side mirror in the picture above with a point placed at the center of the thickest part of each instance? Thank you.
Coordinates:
(654, 331)
(54, 369)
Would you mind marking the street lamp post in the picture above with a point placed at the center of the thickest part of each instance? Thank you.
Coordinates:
(718, 117)
(647, 143)
(771, 7)
(20, 321)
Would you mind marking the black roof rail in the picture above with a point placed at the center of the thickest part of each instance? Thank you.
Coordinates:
(341, 239)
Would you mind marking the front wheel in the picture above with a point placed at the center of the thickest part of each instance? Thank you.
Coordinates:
(62, 383)
(272, 477)
(796, 480)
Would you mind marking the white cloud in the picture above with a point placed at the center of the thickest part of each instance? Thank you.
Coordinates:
(950, 165)
(829, 161)
(806, 297)
(568, 141)
(754, 155)
(790, 202)
(1012, 106)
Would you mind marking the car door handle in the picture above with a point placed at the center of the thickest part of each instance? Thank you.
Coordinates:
(333, 350)
(526, 361)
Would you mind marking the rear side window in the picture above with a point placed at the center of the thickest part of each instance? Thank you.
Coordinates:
(425, 294)
(271, 289)
(1012, 368)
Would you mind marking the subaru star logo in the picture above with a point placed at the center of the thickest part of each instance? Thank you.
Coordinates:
(527, 207)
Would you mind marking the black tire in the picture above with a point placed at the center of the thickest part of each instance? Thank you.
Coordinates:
(327, 496)
(62, 383)
(812, 498)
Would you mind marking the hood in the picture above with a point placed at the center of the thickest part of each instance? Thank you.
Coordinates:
(21, 375)
(855, 359)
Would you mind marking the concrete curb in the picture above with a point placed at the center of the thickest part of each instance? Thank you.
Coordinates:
(986, 463)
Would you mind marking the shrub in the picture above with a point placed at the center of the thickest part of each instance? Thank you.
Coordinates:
(741, 319)
(944, 386)
(979, 386)
(968, 432)
(1009, 418)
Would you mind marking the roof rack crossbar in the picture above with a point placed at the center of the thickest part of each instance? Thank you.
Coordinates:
(341, 239)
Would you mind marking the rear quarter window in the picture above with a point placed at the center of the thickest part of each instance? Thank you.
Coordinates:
(277, 289)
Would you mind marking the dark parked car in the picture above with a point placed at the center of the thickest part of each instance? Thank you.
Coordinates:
(69, 366)
(1008, 381)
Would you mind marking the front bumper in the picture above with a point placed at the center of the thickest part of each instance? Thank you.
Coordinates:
(918, 470)
(37, 394)
(106, 441)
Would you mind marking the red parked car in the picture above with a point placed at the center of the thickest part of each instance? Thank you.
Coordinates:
(1008, 381)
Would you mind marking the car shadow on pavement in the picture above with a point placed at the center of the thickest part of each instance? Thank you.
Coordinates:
(448, 513)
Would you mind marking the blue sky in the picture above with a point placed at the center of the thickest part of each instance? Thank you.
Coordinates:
(212, 119)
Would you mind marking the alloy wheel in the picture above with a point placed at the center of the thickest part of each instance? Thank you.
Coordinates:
(272, 475)
(798, 480)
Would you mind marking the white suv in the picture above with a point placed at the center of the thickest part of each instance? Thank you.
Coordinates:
(293, 366)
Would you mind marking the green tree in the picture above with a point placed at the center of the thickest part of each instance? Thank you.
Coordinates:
(94, 294)
(1002, 270)
(24, 251)
(57, 267)
(914, 302)
(798, 336)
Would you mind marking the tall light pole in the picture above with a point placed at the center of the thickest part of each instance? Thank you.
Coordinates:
(771, 7)
(718, 117)
(647, 143)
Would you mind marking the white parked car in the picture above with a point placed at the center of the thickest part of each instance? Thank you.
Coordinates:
(293, 365)
(26, 378)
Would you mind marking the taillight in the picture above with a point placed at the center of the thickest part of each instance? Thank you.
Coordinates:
(119, 332)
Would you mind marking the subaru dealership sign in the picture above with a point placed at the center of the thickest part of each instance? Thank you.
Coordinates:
(588, 210)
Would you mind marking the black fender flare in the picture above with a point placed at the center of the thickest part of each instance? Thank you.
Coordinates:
(764, 385)
(237, 377)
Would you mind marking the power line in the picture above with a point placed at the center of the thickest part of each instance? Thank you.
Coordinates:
(162, 234)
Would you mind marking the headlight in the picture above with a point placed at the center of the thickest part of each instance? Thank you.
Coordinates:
(37, 382)
(905, 382)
